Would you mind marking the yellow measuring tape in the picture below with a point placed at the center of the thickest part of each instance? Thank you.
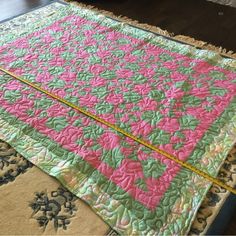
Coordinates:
(146, 144)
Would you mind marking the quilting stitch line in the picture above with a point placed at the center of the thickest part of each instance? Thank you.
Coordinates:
(118, 129)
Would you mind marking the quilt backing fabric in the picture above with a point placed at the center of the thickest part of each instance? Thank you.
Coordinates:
(173, 96)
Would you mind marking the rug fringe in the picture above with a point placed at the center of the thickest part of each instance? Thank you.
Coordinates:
(181, 38)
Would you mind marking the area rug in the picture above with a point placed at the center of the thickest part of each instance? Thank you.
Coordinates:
(33, 203)
(171, 95)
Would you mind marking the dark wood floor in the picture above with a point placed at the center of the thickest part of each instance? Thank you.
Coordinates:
(196, 18)
(10, 8)
(200, 19)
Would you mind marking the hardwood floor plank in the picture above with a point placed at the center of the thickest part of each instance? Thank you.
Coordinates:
(10, 8)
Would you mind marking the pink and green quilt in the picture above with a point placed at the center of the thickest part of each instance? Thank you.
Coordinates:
(176, 97)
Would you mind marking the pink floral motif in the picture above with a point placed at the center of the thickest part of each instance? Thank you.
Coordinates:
(169, 124)
(147, 72)
(59, 92)
(9, 58)
(141, 128)
(175, 93)
(96, 69)
(142, 89)
(31, 57)
(68, 76)
(109, 141)
(124, 73)
(171, 65)
(47, 39)
(56, 110)
(109, 118)
(114, 99)
(44, 77)
(126, 48)
(82, 54)
(130, 58)
(202, 67)
(147, 104)
(57, 62)
(13, 85)
(88, 101)
(57, 51)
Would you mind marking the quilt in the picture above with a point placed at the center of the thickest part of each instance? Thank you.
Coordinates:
(175, 97)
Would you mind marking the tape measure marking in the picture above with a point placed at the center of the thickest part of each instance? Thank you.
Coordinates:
(118, 129)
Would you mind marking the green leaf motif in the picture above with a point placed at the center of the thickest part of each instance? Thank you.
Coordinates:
(157, 95)
(162, 71)
(217, 75)
(98, 36)
(20, 52)
(103, 108)
(188, 122)
(55, 83)
(185, 70)
(218, 91)
(123, 41)
(113, 157)
(17, 64)
(57, 123)
(179, 134)
(108, 74)
(153, 168)
(91, 49)
(132, 97)
(71, 98)
(45, 57)
(30, 112)
(141, 184)
(178, 146)
(12, 95)
(158, 137)
(184, 85)
(132, 66)
(94, 59)
(191, 101)
(92, 131)
(119, 53)
(139, 79)
(138, 52)
(165, 57)
(100, 92)
(56, 70)
(43, 103)
(80, 142)
(84, 76)
(78, 123)
(67, 56)
(56, 43)
(152, 117)
(86, 27)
